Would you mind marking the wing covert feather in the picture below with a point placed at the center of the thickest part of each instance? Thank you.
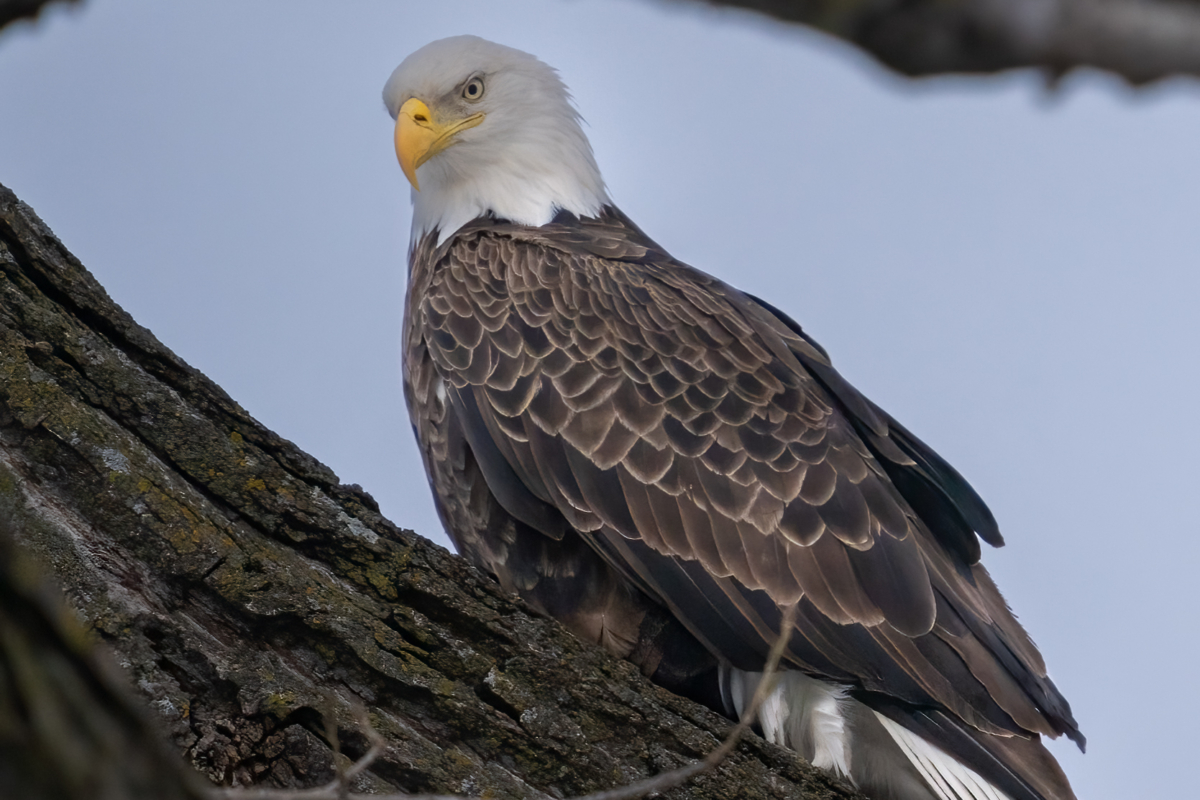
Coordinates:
(706, 449)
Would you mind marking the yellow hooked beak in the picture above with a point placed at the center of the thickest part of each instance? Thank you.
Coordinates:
(419, 137)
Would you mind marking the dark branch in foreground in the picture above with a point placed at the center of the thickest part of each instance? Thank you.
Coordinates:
(1140, 40)
(13, 10)
(253, 600)
(69, 727)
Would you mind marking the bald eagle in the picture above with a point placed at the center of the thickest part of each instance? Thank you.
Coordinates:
(664, 463)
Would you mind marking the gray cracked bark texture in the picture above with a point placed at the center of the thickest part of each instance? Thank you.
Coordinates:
(70, 729)
(250, 597)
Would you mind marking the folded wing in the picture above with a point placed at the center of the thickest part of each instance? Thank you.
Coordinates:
(705, 448)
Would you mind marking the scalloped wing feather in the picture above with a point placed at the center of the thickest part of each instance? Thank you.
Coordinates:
(703, 448)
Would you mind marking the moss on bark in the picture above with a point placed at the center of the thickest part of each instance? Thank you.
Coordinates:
(250, 597)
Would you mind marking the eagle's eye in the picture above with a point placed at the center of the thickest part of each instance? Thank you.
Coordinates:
(473, 90)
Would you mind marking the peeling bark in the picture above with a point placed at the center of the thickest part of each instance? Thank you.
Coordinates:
(250, 597)
(1139, 40)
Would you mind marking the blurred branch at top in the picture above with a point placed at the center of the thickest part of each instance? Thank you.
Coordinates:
(1140, 40)
(12, 10)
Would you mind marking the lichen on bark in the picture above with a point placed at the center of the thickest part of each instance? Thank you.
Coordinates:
(251, 598)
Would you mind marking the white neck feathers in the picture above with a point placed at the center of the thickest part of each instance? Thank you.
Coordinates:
(527, 181)
(527, 160)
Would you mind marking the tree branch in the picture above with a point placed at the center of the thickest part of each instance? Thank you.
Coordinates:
(656, 785)
(12, 10)
(70, 729)
(252, 599)
(1139, 40)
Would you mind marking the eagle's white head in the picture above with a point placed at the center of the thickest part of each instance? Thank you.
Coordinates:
(481, 128)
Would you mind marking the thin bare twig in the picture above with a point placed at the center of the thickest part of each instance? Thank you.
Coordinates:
(676, 777)
(339, 787)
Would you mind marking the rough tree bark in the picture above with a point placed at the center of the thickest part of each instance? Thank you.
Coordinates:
(69, 726)
(250, 597)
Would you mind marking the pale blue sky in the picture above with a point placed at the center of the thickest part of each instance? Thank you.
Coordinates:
(1012, 274)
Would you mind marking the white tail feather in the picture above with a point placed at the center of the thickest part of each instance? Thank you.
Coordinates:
(801, 713)
(947, 777)
(811, 717)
